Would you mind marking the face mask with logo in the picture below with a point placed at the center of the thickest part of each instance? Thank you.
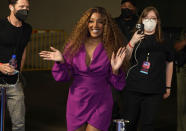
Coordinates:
(149, 24)
(21, 14)
(126, 13)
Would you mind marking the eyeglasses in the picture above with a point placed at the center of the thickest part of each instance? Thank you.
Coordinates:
(150, 19)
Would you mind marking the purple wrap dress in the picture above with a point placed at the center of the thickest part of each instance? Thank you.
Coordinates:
(90, 96)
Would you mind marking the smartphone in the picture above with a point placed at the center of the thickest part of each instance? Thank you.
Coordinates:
(140, 28)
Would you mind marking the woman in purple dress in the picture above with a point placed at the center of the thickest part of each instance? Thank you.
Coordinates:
(93, 57)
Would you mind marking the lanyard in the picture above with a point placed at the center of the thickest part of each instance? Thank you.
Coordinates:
(148, 54)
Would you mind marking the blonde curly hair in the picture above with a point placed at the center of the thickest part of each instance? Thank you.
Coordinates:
(112, 38)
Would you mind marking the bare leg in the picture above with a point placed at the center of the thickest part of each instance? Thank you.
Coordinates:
(82, 128)
(91, 128)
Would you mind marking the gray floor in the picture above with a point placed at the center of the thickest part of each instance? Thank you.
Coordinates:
(46, 99)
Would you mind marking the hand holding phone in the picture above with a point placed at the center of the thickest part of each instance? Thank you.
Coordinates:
(140, 28)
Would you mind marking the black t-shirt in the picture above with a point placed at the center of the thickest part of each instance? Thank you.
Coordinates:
(155, 80)
(13, 40)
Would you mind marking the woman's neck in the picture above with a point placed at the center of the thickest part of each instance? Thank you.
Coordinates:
(94, 40)
(149, 33)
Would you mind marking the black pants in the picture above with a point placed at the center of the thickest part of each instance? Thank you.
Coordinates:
(140, 106)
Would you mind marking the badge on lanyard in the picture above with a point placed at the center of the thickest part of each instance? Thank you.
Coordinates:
(145, 66)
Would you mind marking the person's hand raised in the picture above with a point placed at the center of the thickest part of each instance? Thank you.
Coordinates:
(117, 60)
(54, 55)
(136, 38)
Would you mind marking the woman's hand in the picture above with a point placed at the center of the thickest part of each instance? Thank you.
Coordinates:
(136, 38)
(54, 55)
(117, 60)
(167, 94)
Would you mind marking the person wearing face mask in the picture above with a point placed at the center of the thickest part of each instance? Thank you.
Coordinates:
(126, 23)
(14, 36)
(128, 18)
(148, 79)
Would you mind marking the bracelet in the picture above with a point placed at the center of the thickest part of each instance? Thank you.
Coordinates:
(130, 45)
(168, 87)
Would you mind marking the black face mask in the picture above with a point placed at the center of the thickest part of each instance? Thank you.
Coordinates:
(21, 14)
(126, 13)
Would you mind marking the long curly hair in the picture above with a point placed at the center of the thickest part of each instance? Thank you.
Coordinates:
(112, 38)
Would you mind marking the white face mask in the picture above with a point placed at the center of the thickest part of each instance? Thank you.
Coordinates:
(149, 24)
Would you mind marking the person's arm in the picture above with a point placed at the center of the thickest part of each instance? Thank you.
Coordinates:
(117, 80)
(23, 60)
(169, 72)
(62, 71)
(135, 39)
(130, 48)
(116, 76)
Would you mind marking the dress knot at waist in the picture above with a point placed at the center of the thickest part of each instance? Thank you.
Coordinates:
(93, 82)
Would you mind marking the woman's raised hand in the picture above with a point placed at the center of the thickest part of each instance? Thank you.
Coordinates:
(54, 55)
(117, 60)
(136, 38)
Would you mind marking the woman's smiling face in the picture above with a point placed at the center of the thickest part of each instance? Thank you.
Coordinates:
(95, 25)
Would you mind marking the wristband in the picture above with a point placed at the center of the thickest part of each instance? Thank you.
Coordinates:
(130, 45)
(168, 87)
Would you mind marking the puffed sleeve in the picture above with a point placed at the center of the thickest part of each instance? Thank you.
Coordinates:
(62, 72)
(117, 81)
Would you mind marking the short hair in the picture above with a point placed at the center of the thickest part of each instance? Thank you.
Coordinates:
(131, 1)
(12, 2)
